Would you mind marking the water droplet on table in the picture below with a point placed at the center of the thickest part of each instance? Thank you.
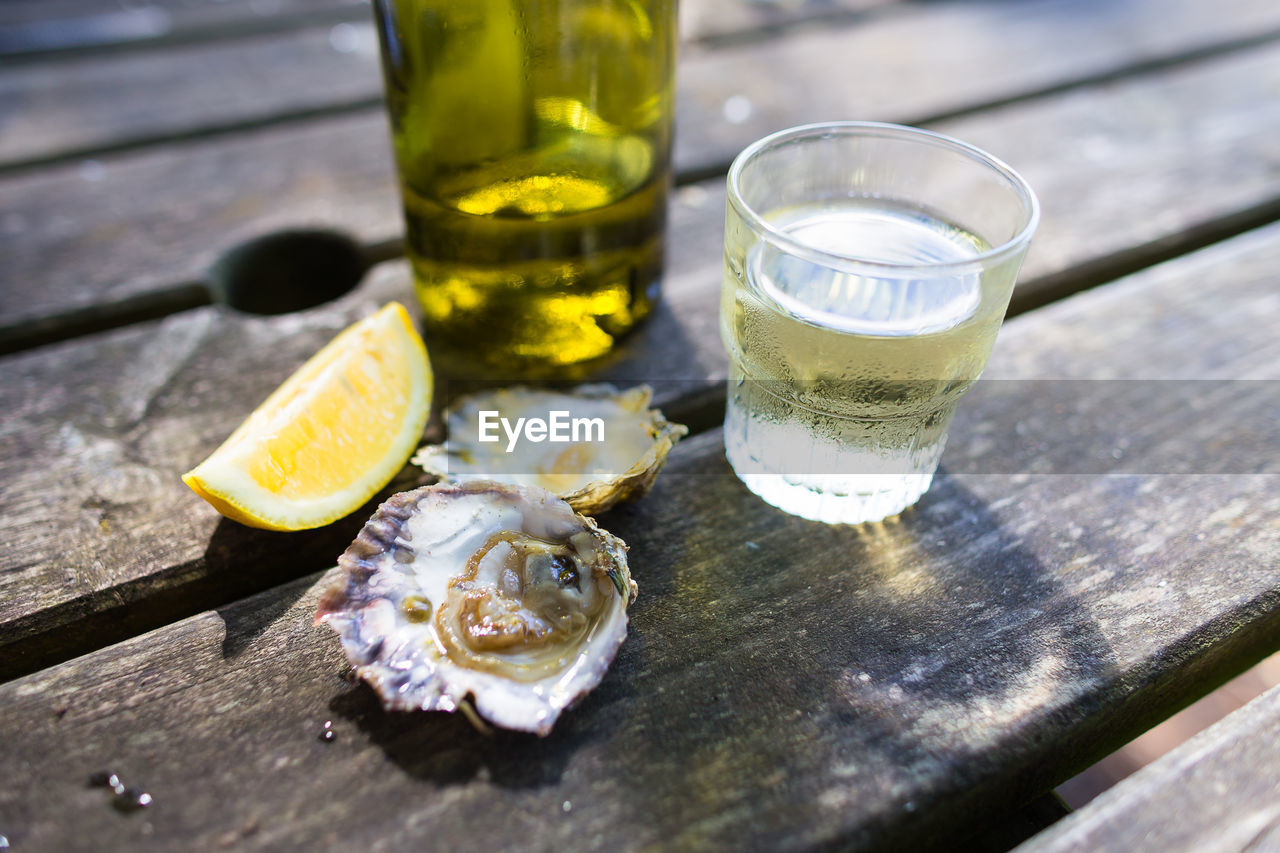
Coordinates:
(131, 799)
(344, 38)
(104, 779)
(737, 109)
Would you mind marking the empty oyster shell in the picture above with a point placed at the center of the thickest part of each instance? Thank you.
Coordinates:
(590, 471)
(481, 590)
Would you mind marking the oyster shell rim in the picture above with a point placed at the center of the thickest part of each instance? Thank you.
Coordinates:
(350, 595)
(598, 495)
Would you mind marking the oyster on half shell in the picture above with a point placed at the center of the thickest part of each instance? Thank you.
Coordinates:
(481, 592)
(590, 473)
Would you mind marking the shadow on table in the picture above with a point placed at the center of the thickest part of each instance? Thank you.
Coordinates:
(788, 683)
(445, 749)
(841, 684)
(240, 561)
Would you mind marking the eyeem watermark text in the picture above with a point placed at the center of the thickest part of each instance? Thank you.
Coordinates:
(558, 426)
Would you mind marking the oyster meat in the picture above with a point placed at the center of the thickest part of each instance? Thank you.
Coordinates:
(481, 592)
(593, 470)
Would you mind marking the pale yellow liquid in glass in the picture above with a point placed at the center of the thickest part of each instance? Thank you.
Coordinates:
(842, 384)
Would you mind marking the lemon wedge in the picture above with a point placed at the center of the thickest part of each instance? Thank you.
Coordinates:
(331, 436)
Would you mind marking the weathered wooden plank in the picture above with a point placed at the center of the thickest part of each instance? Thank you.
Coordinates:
(183, 14)
(94, 234)
(719, 21)
(37, 27)
(786, 684)
(81, 106)
(91, 105)
(1217, 792)
(105, 527)
(954, 58)
(44, 26)
(920, 62)
(1152, 158)
(1129, 172)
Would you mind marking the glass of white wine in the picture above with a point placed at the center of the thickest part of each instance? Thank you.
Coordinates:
(867, 270)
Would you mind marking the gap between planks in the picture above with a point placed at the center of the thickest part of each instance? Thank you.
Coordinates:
(693, 173)
(1216, 791)
(255, 25)
(712, 23)
(1031, 293)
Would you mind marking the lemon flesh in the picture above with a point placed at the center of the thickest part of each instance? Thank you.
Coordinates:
(331, 436)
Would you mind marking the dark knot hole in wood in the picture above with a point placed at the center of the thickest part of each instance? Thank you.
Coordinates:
(287, 271)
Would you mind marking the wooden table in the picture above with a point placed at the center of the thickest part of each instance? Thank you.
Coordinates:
(1100, 548)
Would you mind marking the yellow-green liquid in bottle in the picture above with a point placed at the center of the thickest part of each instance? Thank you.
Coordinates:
(533, 144)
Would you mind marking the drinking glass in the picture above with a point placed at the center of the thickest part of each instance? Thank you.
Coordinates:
(867, 270)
